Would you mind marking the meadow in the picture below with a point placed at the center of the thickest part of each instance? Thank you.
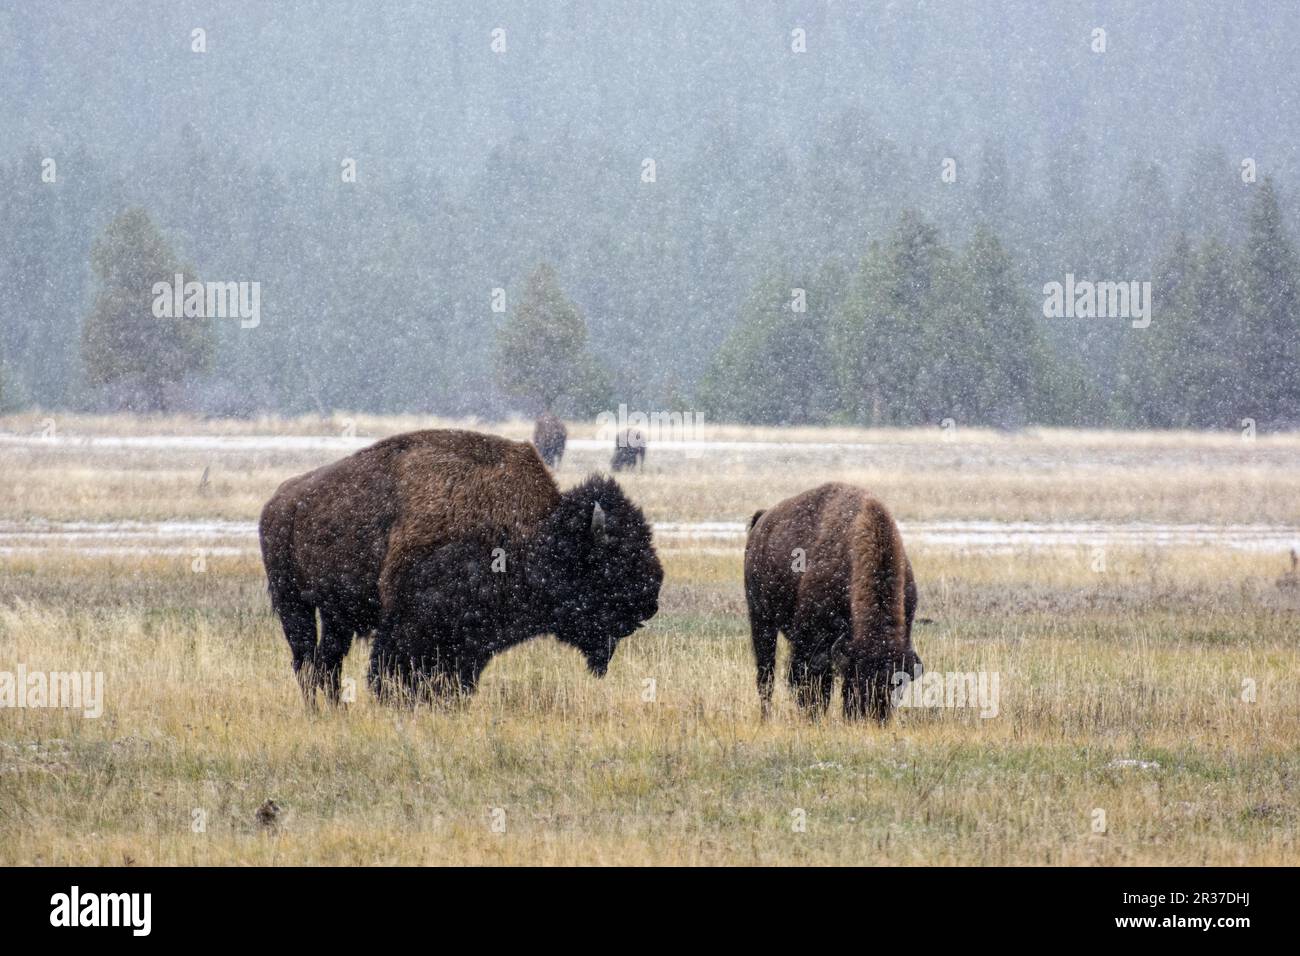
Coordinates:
(1148, 709)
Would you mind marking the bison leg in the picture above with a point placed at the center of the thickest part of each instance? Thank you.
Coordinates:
(299, 622)
(763, 636)
(449, 676)
(385, 676)
(867, 692)
(909, 600)
(811, 677)
(402, 672)
(396, 679)
(335, 642)
(469, 669)
(812, 670)
(436, 682)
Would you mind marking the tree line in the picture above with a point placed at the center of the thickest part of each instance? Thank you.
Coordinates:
(396, 292)
(921, 331)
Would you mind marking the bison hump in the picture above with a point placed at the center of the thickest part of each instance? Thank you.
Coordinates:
(455, 485)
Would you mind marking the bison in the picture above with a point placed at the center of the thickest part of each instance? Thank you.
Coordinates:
(827, 569)
(549, 438)
(450, 546)
(629, 450)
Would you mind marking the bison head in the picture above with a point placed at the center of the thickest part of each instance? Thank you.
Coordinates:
(871, 677)
(594, 567)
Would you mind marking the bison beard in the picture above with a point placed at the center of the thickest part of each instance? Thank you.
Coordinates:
(848, 609)
(588, 575)
(399, 538)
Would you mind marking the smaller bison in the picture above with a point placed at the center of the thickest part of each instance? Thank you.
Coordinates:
(827, 569)
(629, 450)
(549, 438)
(579, 564)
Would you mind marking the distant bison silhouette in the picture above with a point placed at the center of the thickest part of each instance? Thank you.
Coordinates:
(451, 546)
(549, 438)
(827, 569)
(629, 450)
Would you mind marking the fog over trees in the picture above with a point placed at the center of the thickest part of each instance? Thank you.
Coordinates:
(767, 212)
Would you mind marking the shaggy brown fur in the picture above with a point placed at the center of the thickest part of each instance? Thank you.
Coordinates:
(346, 539)
(849, 609)
(456, 484)
(327, 535)
(549, 438)
(629, 450)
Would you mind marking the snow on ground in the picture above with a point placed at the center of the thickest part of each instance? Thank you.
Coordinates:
(341, 443)
(980, 537)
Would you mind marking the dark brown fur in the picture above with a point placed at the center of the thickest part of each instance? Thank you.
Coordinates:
(849, 611)
(549, 438)
(349, 539)
(629, 450)
(332, 537)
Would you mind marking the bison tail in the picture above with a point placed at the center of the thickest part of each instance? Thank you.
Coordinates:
(754, 520)
(879, 580)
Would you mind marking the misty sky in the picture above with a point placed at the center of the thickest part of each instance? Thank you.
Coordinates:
(415, 82)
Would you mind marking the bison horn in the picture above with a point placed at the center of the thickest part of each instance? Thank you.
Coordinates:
(598, 523)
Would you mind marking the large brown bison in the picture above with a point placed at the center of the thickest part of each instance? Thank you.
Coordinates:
(827, 569)
(451, 546)
(549, 438)
(629, 450)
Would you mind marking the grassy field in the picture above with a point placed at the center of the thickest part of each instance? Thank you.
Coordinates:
(1157, 696)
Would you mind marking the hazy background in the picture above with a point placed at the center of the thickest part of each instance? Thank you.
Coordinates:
(774, 169)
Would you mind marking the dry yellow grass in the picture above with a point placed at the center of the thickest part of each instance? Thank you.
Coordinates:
(1145, 662)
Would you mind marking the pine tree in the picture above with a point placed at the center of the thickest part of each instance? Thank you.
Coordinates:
(1271, 308)
(122, 341)
(1211, 387)
(542, 355)
(1141, 219)
(775, 367)
(880, 333)
(1145, 389)
(1185, 371)
(855, 360)
(984, 347)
